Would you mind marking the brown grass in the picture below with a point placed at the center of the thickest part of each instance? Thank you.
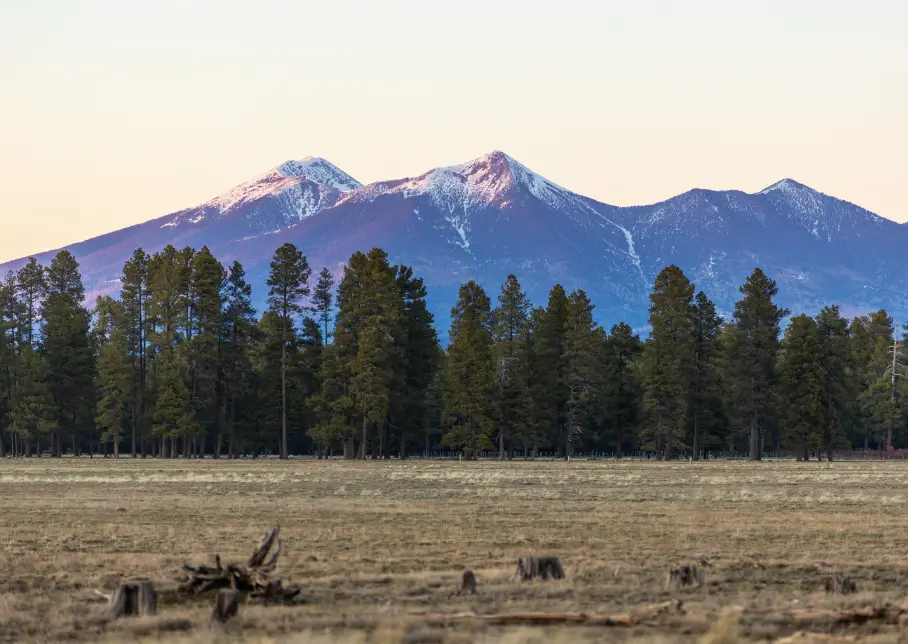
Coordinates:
(375, 545)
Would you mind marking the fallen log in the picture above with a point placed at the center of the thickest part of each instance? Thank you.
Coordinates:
(253, 577)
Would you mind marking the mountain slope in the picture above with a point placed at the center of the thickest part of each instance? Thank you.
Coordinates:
(493, 216)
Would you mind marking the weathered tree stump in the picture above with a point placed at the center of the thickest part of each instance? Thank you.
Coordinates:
(133, 599)
(253, 577)
(226, 605)
(841, 585)
(544, 568)
(468, 583)
(684, 576)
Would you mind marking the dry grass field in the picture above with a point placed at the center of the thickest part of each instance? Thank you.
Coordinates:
(379, 547)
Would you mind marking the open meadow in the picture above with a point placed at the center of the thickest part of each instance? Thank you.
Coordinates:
(379, 547)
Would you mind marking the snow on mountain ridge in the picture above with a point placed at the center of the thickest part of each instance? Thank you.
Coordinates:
(286, 176)
(320, 171)
(491, 180)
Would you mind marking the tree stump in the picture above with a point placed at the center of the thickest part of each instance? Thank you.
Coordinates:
(841, 585)
(133, 599)
(226, 605)
(684, 576)
(544, 568)
(468, 583)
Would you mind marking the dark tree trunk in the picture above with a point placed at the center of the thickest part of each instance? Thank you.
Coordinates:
(364, 439)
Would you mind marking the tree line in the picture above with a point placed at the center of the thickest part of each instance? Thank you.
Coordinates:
(181, 364)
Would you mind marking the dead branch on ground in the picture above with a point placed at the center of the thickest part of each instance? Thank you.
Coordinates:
(253, 577)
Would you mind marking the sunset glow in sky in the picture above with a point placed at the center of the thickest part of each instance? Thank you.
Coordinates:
(116, 112)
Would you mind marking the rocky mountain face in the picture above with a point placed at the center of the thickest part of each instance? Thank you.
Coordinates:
(493, 216)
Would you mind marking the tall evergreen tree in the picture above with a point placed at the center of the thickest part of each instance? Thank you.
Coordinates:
(288, 285)
(66, 349)
(549, 387)
(754, 347)
(801, 387)
(134, 293)
(583, 345)
(114, 374)
(832, 330)
(172, 414)
(623, 399)
(30, 281)
(377, 308)
(322, 302)
(470, 378)
(239, 333)
(418, 357)
(34, 413)
(8, 363)
(706, 413)
(207, 287)
(670, 361)
(510, 335)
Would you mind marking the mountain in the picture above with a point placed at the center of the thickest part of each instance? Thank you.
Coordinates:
(493, 216)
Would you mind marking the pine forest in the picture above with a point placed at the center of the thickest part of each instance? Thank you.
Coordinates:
(182, 365)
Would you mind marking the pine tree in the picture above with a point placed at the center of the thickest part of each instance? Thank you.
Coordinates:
(755, 347)
(418, 356)
(511, 331)
(239, 332)
(834, 354)
(377, 308)
(334, 404)
(134, 294)
(871, 357)
(322, 301)
(288, 285)
(583, 346)
(670, 361)
(801, 387)
(549, 388)
(8, 362)
(706, 413)
(207, 288)
(66, 349)
(173, 412)
(470, 379)
(30, 283)
(114, 378)
(164, 314)
(623, 399)
(34, 413)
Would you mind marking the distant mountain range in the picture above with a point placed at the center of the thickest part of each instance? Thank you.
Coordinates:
(493, 216)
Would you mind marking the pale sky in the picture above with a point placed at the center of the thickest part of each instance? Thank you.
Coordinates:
(115, 112)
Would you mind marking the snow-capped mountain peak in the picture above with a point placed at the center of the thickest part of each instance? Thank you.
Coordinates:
(288, 176)
(489, 180)
(320, 171)
(786, 186)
